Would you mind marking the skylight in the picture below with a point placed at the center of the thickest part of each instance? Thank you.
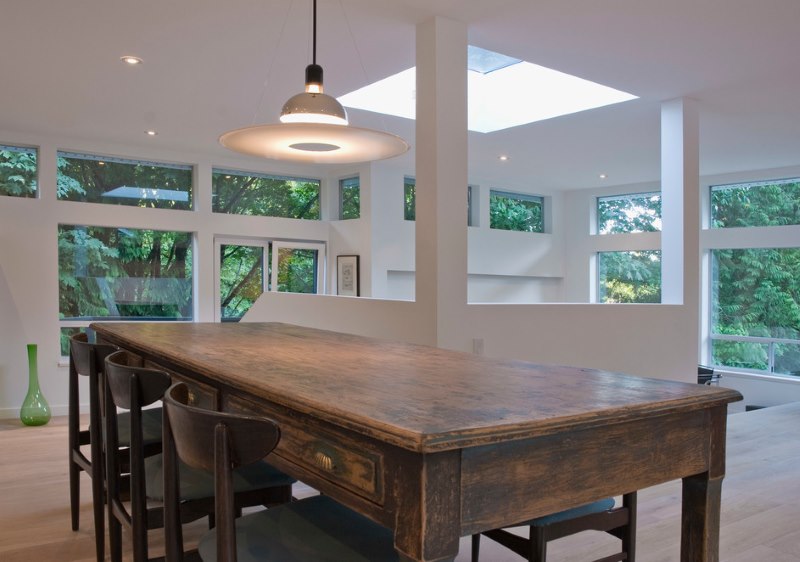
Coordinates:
(503, 91)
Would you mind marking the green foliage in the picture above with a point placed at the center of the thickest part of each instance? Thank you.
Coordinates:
(110, 272)
(762, 204)
(522, 213)
(267, 196)
(409, 199)
(629, 213)
(350, 193)
(97, 180)
(18, 171)
(241, 279)
(630, 277)
(297, 270)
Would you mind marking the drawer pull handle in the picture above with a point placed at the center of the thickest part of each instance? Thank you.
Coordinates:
(324, 461)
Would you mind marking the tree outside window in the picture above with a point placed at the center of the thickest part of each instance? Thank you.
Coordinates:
(18, 171)
(248, 193)
(516, 211)
(349, 198)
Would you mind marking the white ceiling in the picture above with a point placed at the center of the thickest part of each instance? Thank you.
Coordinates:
(214, 65)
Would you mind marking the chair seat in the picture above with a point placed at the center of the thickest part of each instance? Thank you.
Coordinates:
(198, 484)
(316, 529)
(151, 427)
(589, 508)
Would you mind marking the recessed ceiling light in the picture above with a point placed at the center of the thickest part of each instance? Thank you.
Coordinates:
(503, 157)
(151, 133)
(131, 60)
(603, 176)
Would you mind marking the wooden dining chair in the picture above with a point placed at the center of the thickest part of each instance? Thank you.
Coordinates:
(315, 529)
(88, 359)
(601, 515)
(133, 388)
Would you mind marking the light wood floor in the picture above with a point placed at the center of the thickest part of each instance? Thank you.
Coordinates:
(760, 508)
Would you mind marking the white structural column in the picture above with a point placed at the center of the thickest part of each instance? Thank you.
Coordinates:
(680, 202)
(441, 174)
(680, 211)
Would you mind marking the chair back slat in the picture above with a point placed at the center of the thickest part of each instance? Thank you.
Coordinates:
(152, 383)
(249, 438)
(86, 355)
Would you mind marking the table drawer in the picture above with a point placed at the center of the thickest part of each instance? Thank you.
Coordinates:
(334, 458)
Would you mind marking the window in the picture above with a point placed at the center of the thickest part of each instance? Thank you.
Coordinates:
(766, 203)
(248, 193)
(409, 198)
(349, 198)
(410, 201)
(18, 171)
(629, 277)
(116, 181)
(123, 274)
(515, 211)
(247, 268)
(638, 212)
(755, 309)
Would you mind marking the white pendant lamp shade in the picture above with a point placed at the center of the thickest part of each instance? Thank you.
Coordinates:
(314, 143)
(314, 129)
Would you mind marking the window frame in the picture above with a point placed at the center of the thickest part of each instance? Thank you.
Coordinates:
(529, 197)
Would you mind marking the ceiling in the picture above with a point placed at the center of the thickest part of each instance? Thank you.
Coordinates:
(213, 65)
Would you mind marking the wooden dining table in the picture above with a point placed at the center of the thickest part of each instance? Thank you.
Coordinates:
(437, 444)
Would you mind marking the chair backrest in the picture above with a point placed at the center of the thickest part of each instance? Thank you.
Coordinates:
(131, 388)
(238, 441)
(88, 357)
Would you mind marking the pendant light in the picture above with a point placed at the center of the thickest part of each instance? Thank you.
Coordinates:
(314, 128)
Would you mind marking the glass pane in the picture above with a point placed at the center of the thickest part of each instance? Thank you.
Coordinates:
(350, 198)
(244, 193)
(115, 181)
(67, 333)
(756, 292)
(508, 211)
(297, 270)
(629, 277)
(787, 359)
(241, 279)
(744, 355)
(18, 171)
(409, 198)
(124, 273)
(768, 203)
(639, 212)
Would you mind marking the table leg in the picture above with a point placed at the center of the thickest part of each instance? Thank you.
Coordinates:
(702, 495)
(700, 523)
(428, 516)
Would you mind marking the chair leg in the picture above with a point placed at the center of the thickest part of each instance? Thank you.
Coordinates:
(538, 544)
(114, 538)
(476, 546)
(74, 491)
(98, 506)
(629, 536)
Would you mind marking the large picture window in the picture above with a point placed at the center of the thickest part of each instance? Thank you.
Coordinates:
(122, 274)
(516, 211)
(755, 309)
(116, 181)
(623, 214)
(765, 203)
(629, 276)
(18, 171)
(248, 193)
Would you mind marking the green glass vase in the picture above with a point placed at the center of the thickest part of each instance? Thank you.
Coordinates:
(35, 410)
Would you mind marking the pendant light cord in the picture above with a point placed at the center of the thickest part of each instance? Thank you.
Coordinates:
(314, 42)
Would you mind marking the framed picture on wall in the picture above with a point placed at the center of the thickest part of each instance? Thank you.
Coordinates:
(347, 276)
